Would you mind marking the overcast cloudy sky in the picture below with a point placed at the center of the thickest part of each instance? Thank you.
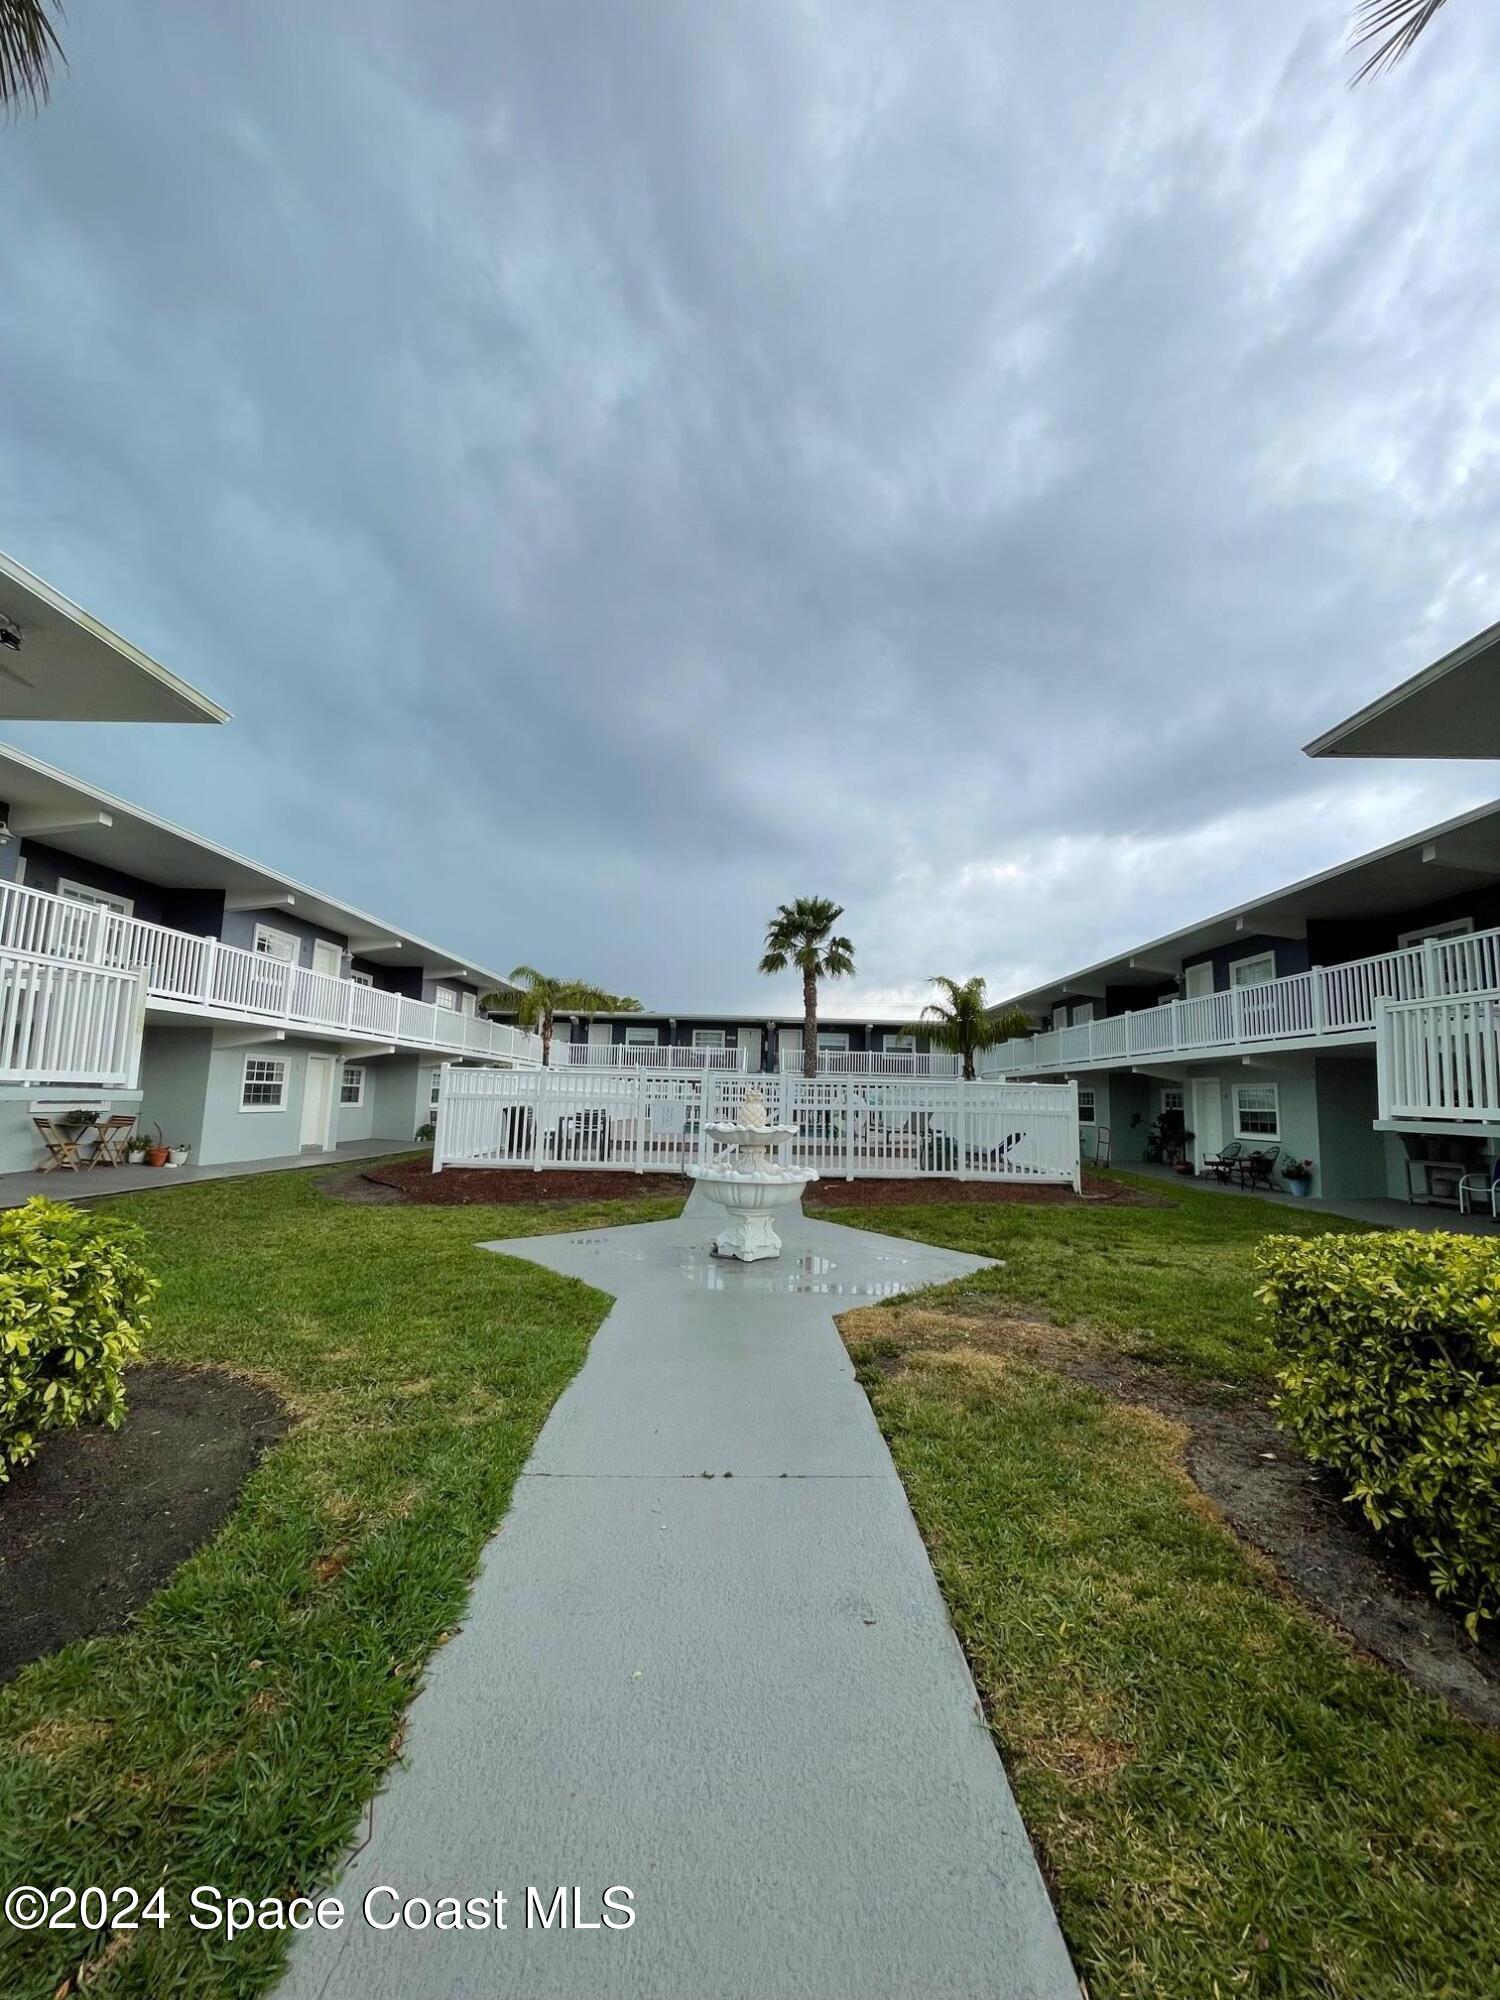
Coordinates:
(628, 463)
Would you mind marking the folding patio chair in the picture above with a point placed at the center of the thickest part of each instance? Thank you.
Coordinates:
(109, 1146)
(62, 1143)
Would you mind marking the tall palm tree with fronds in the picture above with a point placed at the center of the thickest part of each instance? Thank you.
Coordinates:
(802, 934)
(1393, 26)
(966, 1025)
(542, 998)
(28, 49)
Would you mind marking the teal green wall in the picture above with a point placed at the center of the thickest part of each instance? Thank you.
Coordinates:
(1353, 1153)
(174, 1082)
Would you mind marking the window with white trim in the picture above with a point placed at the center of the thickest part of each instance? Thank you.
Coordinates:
(263, 1086)
(708, 1038)
(80, 892)
(836, 1039)
(641, 1038)
(436, 1091)
(1253, 971)
(272, 943)
(352, 1084)
(1454, 927)
(1257, 1111)
(445, 997)
(900, 1045)
(1172, 1097)
(1085, 1105)
(361, 978)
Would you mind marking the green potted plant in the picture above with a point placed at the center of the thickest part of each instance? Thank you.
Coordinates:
(426, 1134)
(179, 1154)
(137, 1146)
(1297, 1175)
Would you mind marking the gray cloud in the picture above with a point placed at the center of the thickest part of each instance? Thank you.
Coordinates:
(628, 465)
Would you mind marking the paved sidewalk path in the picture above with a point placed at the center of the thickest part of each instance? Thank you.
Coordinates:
(706, 1658)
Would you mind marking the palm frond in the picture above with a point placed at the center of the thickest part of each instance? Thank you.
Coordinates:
(28, 49)
(1393, 25)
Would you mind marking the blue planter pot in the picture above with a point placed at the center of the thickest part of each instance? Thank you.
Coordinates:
(1299, 1188)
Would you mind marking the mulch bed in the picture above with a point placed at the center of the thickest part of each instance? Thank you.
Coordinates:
(100, 1519)
(460, 1187)
(924, 1192)
(415, 1181)
(1294, 1514)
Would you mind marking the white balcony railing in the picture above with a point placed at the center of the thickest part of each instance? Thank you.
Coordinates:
(874, 1062)
(202, 972)
(1439, 1060)
(1330, 1003)
(644, 1055)
(66, 1022)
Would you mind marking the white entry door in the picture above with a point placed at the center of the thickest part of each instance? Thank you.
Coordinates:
(317, 1103)
(327, 958)
(1207, 1123)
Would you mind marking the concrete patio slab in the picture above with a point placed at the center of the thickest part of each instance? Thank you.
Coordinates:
(737, 1695)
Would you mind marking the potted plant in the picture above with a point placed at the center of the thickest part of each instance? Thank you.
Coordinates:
(137, 1146)
(1297, 1176)
(1168, 1140)
(177, 1156)
(426, 1134)
(159, 1154)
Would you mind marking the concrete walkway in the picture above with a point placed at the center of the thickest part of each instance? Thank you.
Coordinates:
(1385, 1214)
(706, 1659)
(95, 1181)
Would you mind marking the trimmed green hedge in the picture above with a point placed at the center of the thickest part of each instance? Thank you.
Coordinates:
(1391, 1376)
(72, 1300)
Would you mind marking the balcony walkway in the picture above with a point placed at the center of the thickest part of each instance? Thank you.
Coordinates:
(739, 1696)
(60, 1186)
(1382, 1213)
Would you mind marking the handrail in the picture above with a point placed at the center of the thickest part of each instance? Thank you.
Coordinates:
(1324, 1003)
(185, 969)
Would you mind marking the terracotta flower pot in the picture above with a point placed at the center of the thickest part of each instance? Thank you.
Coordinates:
(156, 1156)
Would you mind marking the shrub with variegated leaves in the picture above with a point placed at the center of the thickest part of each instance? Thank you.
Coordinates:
(1390, 1376)
(73, 1294)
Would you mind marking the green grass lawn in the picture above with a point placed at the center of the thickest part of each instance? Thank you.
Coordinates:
(1168, 1284)
(234, 1732)
(1226, 1798)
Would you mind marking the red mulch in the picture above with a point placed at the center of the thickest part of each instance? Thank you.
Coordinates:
(459, 1187)
(415, 1181)
(919, 1193)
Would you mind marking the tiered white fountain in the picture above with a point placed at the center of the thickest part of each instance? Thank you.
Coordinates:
(746, 1182)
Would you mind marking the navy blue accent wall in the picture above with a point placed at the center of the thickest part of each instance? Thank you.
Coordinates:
(1336, 941)
(239, 928)
(1290, 955)
(195, 910)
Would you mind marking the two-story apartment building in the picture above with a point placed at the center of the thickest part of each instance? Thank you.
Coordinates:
(762, 1045)
(1352, 1018)
(145, 969)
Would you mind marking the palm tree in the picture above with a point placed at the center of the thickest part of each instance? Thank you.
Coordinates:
(542, 998)
(28, 49)
(1393, 25)
(966, 1025)
(801, 934)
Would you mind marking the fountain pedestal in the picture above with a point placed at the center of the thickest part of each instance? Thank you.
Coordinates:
(749, 1185)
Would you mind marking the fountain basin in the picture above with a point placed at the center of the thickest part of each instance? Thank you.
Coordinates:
(750, 1197)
